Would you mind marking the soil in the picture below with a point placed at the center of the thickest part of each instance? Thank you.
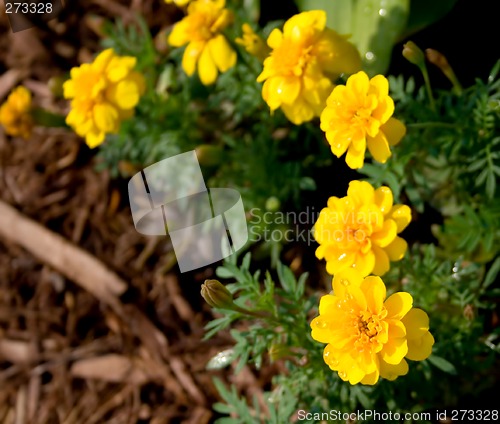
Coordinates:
(67, 354)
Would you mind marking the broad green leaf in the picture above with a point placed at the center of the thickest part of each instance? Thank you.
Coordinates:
(425, 12)
(377, 25)
(339, 12)
(374, 26)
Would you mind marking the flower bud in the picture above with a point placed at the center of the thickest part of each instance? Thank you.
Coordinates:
(273, 204)
(469, 312)
(413, 54)
(217, 295)
(278, 351)
(209, 155)
(55, 85)
(438, 59)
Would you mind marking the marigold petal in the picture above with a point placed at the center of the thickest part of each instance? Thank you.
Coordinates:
(355, 374)
(384, 199)
(384, 110)
(355, 159)
(397, 249)
(126, 94)
(102, 60)
(327, 303)
(119, 67)
(94, 138)
(340, 262)
(320, 330)
(346, 278)
(394, 131)
(421, 348)
(401, 214)
(358, 83)
(69, 89)
(364, 262)
(416, 322)
(105, 117)
(396, 348)
(338, 145)
(386, 234)
(298, 112)
(180, 34)
(336, 54)
(361, 192)
(375, 292)
(191, 56)
(222, 53)
(371, 379)
(394, 351)
(391, 372)
(310, 20)
(382, 264)
(275, 38)
(380, 85)
(207, 68)
(379, 147)
(398, 305)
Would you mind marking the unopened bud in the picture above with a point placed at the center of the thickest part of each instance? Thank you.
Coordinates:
(438, 59)
(278, 351)
(413, 54)
(217, 295)
(273, 204)
(209, 155)
(55, 85)
(469, 312)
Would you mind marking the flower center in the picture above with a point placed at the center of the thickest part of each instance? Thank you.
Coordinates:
(292, 57)
(368, 328)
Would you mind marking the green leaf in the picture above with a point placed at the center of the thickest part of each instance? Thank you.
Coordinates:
(492, 273)
(338, 12)
(425, 12)
(442, 364)
(286, 277)
(377, 25)
(374, 26)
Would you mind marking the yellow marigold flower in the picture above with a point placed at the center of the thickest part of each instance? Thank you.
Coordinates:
(359, 114)
(206, 48)
(368, 335)
(103, 93)
(360, 230)
(304, 60)
(178, 2)
(15, 114)
(253, 43)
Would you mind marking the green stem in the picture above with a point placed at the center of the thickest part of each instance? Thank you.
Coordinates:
(45, 118)
(256, 314)
(431, 125)
(428, 87)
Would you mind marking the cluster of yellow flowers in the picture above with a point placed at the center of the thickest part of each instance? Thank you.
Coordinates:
(15, 114)
(368, 336)
(304, 60)
(103, 93)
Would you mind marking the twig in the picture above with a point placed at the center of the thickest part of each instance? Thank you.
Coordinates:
(52, 249)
